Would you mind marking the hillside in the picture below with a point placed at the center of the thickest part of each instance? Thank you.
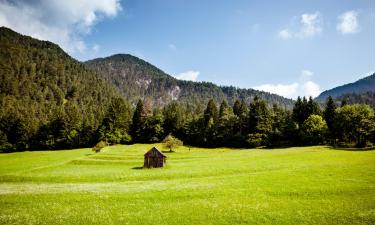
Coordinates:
(361, 98)
(366, 84)
(46, 95)
(136, 78)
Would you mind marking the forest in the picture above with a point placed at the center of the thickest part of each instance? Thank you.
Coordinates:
(49, 100)
(240, 125)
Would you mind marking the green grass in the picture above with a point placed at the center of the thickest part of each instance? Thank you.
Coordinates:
(307, 185)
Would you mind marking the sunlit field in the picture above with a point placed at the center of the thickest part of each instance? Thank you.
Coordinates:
(301, 185)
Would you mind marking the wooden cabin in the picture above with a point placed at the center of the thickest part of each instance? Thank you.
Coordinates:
(154, 158)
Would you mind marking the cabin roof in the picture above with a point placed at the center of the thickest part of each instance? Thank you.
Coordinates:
(154, 152)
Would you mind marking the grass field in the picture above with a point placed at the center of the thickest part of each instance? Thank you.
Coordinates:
(307, 185)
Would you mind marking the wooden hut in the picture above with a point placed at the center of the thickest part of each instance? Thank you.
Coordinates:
(154, 158)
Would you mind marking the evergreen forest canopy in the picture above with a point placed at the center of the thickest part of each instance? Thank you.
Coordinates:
(51, 101)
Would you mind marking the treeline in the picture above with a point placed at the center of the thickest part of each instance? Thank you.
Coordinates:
(257, 124)
(367, 98)
(240, 125)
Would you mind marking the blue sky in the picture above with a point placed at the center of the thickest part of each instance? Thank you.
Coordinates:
(286, 47)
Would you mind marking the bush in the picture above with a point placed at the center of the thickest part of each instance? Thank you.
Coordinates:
(98, 147)
(255, 140)
(171, 142)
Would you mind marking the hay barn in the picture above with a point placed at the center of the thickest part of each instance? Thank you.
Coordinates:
(154, 158)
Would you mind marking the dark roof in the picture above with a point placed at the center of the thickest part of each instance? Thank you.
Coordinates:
(154, 152)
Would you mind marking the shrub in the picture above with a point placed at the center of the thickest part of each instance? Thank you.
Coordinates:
(98, 147)
(171, 142)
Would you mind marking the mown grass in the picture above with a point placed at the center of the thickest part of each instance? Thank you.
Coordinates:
(306, 185)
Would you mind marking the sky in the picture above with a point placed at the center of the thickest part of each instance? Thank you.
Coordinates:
(291, 47)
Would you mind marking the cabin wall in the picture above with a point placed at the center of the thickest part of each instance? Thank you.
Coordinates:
(153, 162)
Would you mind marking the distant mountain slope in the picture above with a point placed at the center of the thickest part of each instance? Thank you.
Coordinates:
(361, 86)
(361, 98)
(136, 78)
(39, 84)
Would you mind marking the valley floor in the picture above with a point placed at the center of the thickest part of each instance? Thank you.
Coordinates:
(304, 185)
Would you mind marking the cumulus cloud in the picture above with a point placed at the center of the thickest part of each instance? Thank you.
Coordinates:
(285, 34)
(188, 75)
(348, 22)
(62, 22)
(309, 25)
(303, 87)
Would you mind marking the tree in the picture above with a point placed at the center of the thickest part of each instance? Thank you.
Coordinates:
(210, 112)
(260, 123)
(224, 109)
(344, 102)
(173, 118)
(329, 115)
(210, 122)
(242, 112)
(152, 129)
(98, 147)
(312, 107)
(355, 123)
(137, 121)
(303, 109)
(314, 130)
(226, 124)
(115, 126)
(171, 142)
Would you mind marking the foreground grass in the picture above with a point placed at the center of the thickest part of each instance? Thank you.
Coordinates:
(309, 185)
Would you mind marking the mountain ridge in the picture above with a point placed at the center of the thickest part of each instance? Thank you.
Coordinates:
(363, 85)
(123, 70)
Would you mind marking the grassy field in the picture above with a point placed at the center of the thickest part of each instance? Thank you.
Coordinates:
(307, 185)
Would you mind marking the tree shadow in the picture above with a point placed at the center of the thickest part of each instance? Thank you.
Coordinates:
(168, 151)
(137, 168)
(352, 149)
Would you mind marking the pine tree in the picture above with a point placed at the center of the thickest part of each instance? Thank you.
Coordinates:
(329, 114)
(137, 121)
(224, 109)
(260, 123)
(210, 112)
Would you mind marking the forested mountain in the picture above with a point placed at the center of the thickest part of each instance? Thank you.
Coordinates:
(361, 98)
(136, 78)
(47, 98)
(366, 84)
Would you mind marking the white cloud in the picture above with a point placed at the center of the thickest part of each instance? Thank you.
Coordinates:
(188, 75)
(285, 34)
(303, 87)
(287, 90)
(348, 22)
(310, 25)
(62, 22)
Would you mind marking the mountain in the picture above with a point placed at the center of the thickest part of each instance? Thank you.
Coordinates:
(359, 87)
(44, 92)
(361, 98)
(136, 78)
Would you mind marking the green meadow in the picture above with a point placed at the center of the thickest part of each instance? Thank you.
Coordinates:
(300, 185)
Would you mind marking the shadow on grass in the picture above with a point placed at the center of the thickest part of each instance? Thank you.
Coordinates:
(352, 149)
(137, 168)
(168, 151)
